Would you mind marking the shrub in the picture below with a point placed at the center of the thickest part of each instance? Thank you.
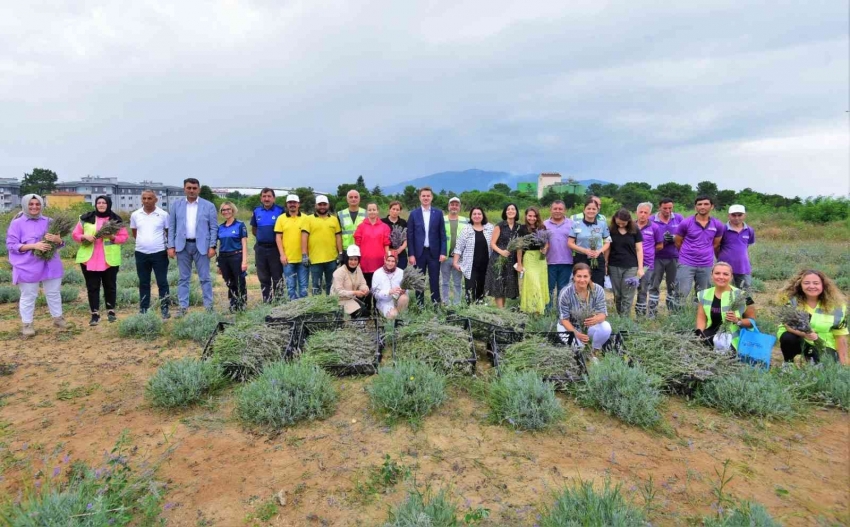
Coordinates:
(523, 401)
(407, 390)
(126, 297)
(824, 209)
(128, 279)
(5, 276)
(286, 393)
(73, 276)
(749, 392)
(255, 316)
(141, 326)
(69, 293)
(69, 251)
(183, 382)
(758, 286)
(243, 350)
(424, 510)
(582, 505)
(9, 294)
(173, 277)
(827, 383)
(629, 393)
(745, 514)
(196, 326)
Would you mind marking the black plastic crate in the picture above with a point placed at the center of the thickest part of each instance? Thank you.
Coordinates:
(369, 325)
(483, 331)
(466, 366)
(503, 339)
(222, 325)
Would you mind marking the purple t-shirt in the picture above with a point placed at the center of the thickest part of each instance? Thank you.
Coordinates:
(652, 235)
(698, 246)
(733, 248)
(559, 252)
(669, 251)
(27, 268)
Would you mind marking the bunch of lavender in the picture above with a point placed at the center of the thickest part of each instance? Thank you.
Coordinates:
(739, 301)
(632, 281)
(61, 226)
(799, 320)
(535, 240)
(578, 316)
(398, 236)
(595, 244)
(110, 228)
(412, 278)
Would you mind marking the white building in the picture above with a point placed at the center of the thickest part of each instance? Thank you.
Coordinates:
(125, 196)
(547, 179)
(10, 193)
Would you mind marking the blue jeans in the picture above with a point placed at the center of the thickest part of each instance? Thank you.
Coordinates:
(185, 258)
(322, 276)
(297, 288)
(559, 278)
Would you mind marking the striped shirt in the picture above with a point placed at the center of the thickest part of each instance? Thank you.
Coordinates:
(569, 302)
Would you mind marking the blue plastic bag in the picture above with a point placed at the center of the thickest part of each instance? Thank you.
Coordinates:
(755, 347)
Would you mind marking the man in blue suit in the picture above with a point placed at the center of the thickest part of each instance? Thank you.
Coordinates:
(426, 242)
(192, 236)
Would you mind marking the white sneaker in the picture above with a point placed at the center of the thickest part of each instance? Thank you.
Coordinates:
(27, 330)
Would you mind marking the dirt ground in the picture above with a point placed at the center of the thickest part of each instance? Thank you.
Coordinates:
(74, 393)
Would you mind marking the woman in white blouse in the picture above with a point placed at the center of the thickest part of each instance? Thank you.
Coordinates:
(472, 253)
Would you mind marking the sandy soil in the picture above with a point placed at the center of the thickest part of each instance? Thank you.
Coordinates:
(219, 473)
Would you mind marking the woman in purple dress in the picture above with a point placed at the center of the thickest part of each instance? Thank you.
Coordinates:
(27, 233)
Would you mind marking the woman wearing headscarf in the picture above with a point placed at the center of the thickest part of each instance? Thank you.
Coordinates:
(27, 233)
(100, 255)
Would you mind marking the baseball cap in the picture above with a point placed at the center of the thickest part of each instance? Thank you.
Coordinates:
(353, 250)
(735, 209)
(454, 198)
(321, 199)
(292, 197)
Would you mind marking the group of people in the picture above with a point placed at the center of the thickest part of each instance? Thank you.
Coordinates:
(561, 263)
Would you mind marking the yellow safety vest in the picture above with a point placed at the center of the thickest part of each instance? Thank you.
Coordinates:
(461, 222)
(707, 297)
(112, 251)
(348, 227)
(823, 322)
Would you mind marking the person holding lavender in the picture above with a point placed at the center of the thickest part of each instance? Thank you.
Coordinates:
(667, 257)
(583, 311)
(697, 239)
(398, 233)
(100, 234)
(625, 261)
(502, 281)
(653, 240)
(724, 310)
(531, 263)
(27, 234)
(589, 239)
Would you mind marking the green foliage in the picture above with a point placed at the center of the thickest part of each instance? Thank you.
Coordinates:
(748, 392)
(41, 181)
(443, 347)
(243, 351)
(424, 509)
(629, 393)
(826, 383)
(342, 347)
(523, 401)
(5, 276)
(144, 326)
(111, 495)
(9, 294)
(207, 193)
(744, 514)
(124, 297)
(407, 390)
(313, 306)
(824, 209)
(128, 279)
(286, 393)
(535, 353)
(73, 276)
(69, 293)
(183, 382)
(197, 326)
(582, 505)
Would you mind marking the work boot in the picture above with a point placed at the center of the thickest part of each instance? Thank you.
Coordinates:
(60, 323)
(27, 330)
(95, 319)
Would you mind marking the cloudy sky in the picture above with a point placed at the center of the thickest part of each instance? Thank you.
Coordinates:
(747, 94)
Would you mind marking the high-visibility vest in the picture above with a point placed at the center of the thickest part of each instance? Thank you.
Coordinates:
(823, 322)
(461, 222)
(706, 297)
(112, 251)
(348, 227)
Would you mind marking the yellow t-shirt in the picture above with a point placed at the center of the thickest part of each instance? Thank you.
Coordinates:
(291, 229)
(321, 245)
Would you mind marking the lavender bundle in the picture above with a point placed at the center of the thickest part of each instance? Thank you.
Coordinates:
(632, 281)
(533, 241)
(595, 244)
(412, 278)
(60, 226)
(110, 228)
(397, 236)
(799, 320)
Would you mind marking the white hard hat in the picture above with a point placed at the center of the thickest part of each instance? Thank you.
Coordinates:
(353, 250)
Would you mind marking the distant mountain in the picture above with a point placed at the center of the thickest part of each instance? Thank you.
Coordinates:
(472, 179)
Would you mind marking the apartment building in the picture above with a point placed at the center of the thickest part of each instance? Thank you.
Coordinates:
(10, 194)
(125, 196)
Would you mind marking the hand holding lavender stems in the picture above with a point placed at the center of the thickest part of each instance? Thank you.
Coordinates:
(594, 243)
(632, 281)
(397, 236)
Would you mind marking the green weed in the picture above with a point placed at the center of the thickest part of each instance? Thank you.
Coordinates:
(421, 509)
(582, 505)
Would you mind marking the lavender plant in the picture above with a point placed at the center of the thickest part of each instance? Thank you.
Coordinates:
(60, 225)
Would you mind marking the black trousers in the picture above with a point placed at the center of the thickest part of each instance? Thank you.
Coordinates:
(368, 300)
(475, 285)
(158, 263)
(230, 265)
(269, 271)
(597, 276)
(94, 279)
(792, 345)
